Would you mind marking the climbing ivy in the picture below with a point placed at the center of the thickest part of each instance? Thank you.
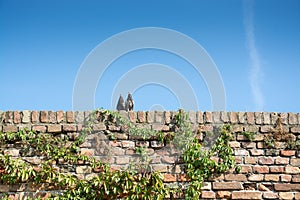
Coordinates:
(131, 184)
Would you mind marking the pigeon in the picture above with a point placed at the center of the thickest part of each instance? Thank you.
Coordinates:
(121, 104)
(129, 104)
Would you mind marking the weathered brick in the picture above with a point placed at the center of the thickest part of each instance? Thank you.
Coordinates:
(34, 116)
(242, 117)
(256, 152)
(79, 117)
(141, 116)
(265, 128)
(295, 161)
(208, 195)
(54, 128)
(39, 128)
(286, 195)
(25, 116)
(284, 118)
(70, 116)
(296, 178)
(266, 118)
(295, 129)
(285, 178)
(246, 195)
(208, 117)
(87, 152)
(261, 169)
(281, 161)
(122, 160)
(238, 129)
(4, 188)
(287, 152)
(235, 177)
(274, 118)
(99, 127)
(12, 152)
(256, 177)
(233, 117)
(252, 128)
(245, 169)
(224, 117)
(132, 116)
(44, 116)
(184, 178)
(248, 145)
(258, 117)
(60, 116)
(266, 160)
(192, 117)
(272, 177)
(250, 117)
(234, 144)
(52, 117)
(293, 118)
(8, 117)
(286, 186)
(83, 170)
(17, 117)
(297, 194)
(241, 152)
(10, 128)
(69, 127)
(276, 169)
(251, 160)
(168, 117)
(270, 195)
(150, 116)
(157, 144)
(169, 177)
(292, 170)
(223, 194)
(216, 117)
(128, 144)
(227, 186)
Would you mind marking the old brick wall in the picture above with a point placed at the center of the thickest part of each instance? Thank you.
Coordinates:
(266, 173)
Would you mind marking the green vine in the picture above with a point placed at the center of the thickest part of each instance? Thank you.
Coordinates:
(54, 151)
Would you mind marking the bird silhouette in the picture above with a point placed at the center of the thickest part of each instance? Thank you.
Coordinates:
(121, 103)
(129, 104)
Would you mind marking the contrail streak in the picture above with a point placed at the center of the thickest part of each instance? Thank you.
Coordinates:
(256, 71)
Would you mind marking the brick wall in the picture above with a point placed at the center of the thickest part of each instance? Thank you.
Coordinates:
(266, 173)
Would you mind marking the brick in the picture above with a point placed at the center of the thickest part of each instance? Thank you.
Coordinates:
(185, 178)
(256, 152)
(8, 117)
(216, 117)
(252, 128)
(44, 117)
(233, 117)
(256, 177)
(142, 143)
(261, 169)
(4, 188)
(87, 152)
(10, 128)
(54, 128)
(297, 194)
(241, 152)
(70, 116)
(286, 186)
(250, 117)
(272, 177)
(266, 160)
(270, 195)
(122, 160)
(242, 117)
(169, 177)
(60, 116)
(287, 152)
(17, 117)
(274, 118)
(251, 160)
(83, 170)
(258, 117)
(25, 116)
(157, 144)
(238, 129)
(246, 169)
(52, 117)
(132, 116)
(168, 117)
(208, 117)
(265, 129)
(227, 186)
(246, 195)
(281, 161)
(262, 187)
(128, 144)
(295, 129)
(293, 119)
(285, 178)
(235, 177)
(34, 116)
(295, 161)
(224, 117)
(79, 117)
(141, 116)
(150, 116)
(100, 127)
(248, 145)
(266, 118)
(296, 178)
(208, 195)
(276, 169)
(284, 117)
(292, 170)
(234, 144)
(69, 128)
(223, 195)
(286, 195)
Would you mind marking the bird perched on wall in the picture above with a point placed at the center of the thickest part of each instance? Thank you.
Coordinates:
(129, 104)
(121, 103)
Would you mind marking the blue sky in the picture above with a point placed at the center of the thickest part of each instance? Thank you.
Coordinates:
(254, 44)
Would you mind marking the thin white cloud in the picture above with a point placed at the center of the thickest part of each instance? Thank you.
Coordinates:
(255, 75)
